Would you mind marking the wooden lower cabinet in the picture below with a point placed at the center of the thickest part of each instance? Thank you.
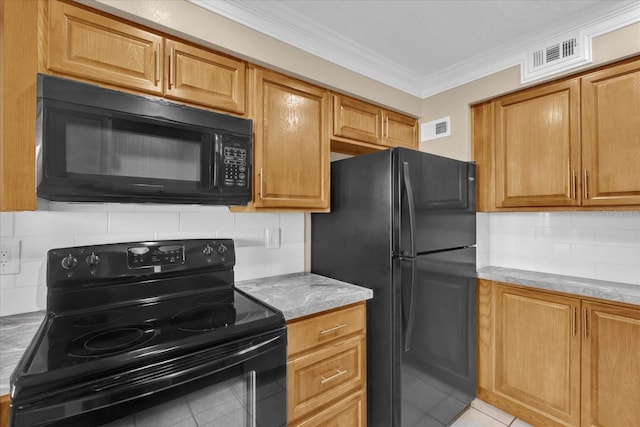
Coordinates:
(326, 369)
(610, 366)
(350, 411)
(5, 406)
(557, 360)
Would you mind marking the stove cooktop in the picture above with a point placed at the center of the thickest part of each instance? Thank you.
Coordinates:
(151, 326)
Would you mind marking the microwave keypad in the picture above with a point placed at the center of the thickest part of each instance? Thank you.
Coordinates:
(235, 166)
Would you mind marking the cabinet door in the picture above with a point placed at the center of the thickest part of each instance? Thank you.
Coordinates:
(291, 143)
(357, 120)
(537, 353)
(399, 130)
(537, 157)
(200, 76)
(611, 366)
(611, 136)
(5, 409)
(93, 47)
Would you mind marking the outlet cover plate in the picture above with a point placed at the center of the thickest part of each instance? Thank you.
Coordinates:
(9, 256)
(272, 237)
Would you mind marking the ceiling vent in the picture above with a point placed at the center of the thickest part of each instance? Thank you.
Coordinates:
(555, 57)
(435, 129)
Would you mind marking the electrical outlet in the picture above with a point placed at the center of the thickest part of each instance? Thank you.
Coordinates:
(272, 237)
(9, 256)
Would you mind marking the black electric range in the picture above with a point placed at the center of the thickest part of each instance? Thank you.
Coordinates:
(127, 321)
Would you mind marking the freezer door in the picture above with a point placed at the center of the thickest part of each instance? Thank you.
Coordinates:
(438, 350)
(437, 202)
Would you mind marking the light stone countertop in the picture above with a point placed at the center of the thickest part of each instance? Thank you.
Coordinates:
(296, 295)
(301, 294)
(600, 289)
(16, 333)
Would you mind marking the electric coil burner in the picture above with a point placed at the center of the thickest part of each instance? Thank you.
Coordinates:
(132, 328)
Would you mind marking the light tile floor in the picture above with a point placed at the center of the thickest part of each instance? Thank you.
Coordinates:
(481, 414)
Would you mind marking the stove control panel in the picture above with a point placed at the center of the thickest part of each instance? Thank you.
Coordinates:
(117, 260)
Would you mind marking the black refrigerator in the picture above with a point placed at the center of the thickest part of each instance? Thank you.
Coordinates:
(402, 223)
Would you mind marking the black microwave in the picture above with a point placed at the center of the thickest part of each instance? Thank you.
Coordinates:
(100, 145)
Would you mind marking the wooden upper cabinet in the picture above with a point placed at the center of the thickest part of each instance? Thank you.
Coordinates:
(361, 127)
(95, 47)
(18, 68)
(291, 146)
(200, 76)
(399, 130)
(611, 136)
(92, 46)
(356, 119)
(566, 144)
(611, 366)
(537, 146)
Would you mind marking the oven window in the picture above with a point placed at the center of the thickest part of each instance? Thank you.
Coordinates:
(230, 403)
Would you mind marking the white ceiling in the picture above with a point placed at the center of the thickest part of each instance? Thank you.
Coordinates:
(423, 47)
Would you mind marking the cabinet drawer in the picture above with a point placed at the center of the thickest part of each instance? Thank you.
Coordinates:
(315, 379)
(350, 411)
(325, 328)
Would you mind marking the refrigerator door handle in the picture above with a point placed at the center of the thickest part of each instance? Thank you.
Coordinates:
(412, 221)
(409, 312)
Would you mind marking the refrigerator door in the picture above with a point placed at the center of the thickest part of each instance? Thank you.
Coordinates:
(353, 243)
(437, 202)
(438, 351)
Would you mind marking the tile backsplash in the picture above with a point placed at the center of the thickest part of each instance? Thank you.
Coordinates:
(602, 245)
(56, 225)
(596, 245)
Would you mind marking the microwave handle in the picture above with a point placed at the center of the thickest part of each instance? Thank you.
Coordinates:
(216, 159)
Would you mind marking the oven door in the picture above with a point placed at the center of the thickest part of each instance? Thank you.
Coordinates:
(237, 384)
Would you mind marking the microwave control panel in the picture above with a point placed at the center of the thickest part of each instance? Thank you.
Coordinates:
(236, 167)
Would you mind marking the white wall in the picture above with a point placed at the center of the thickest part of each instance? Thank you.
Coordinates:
(597, 245)
(65, 225)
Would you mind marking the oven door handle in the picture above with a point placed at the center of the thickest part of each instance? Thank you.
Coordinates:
(71, 401)
(170, 371)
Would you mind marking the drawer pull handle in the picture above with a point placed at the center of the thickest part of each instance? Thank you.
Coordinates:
(332, 377)
(335, 328)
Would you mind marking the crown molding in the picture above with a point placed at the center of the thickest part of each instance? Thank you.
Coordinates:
(307, 35)
(513, 54)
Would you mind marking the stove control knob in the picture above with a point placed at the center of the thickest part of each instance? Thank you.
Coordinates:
(92, 260)
(208, 250)
(222, 249)
(69, 262)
